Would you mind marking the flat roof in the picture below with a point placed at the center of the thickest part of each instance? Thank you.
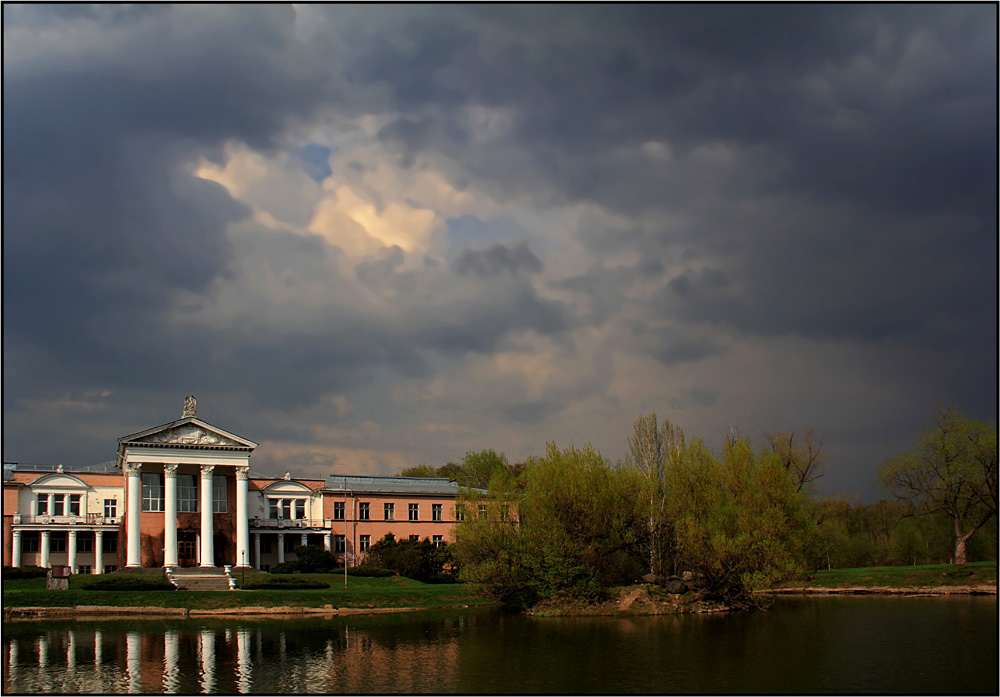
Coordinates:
(100, 468)
(392, 485)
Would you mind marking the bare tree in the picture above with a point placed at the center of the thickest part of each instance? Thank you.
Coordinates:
(804, 460)
(650, 450)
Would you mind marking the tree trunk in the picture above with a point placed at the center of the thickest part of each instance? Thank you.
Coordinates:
(960, 540)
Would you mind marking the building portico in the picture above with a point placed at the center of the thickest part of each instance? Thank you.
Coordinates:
(182, 477)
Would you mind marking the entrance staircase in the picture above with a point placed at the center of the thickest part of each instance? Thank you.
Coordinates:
(209, 578)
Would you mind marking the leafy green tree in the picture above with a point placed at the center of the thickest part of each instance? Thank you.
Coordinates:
(574, 531)
(479, 467)
(476, 469)
(739, 519)
(953, 470)
(420, 471)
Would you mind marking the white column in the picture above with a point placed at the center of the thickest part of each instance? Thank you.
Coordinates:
(256, 550)
(70, 651)
(12, 670)
(170, 515)
(98, 551)
(44, 563)
(71, 551)
(327, 539)
(133, 661)
(243, 665)
(171, 675)
(207, 644)
(281, 547)
(16, 548)
(133, 559)
(242, 518)
(305, 539)
(207, 548)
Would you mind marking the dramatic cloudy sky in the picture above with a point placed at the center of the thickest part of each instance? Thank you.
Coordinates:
(369, 237)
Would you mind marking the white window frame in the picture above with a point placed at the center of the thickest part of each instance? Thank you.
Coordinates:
(413, 511)
(187, 494)
(152, 492)
(220, 490)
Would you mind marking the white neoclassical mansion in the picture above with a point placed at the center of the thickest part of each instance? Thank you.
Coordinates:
(184, 494)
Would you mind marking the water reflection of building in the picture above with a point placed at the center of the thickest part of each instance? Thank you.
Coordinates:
(236, 660)
(183, 494)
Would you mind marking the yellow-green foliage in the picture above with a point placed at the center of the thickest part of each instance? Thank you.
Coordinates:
(570, 532)
(738, 518)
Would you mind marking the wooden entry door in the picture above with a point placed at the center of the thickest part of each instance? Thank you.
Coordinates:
(187, 554)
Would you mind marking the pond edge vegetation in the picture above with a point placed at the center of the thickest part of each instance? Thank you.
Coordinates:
(675, 527)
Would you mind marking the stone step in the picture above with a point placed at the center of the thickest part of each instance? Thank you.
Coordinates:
(203, 584)
(200, 579)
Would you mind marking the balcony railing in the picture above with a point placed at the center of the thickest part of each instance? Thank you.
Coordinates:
(289, 523)
(88, 519)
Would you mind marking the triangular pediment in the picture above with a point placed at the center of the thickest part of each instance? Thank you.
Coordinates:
(188, 432)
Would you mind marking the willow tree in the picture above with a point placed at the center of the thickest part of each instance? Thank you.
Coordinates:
(953, 469)
(572, 530)
(739, 520)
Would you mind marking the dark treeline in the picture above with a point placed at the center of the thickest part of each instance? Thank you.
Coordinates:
(571, 523)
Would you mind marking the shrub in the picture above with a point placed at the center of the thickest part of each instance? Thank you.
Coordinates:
(17, 572)
(313, 559)
(285, 567)
(285, 583)
(419, 560)
(370, 571)
(126, 583)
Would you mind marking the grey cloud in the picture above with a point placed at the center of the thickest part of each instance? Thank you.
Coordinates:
(383, 267)
(831, 168)
(498, 258)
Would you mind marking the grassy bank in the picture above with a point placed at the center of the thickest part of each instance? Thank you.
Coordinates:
(389, 592)
(928, 576)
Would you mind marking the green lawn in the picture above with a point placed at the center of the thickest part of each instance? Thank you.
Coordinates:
(977, 573)
(394, 591)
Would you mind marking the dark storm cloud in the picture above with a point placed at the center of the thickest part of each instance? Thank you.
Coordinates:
(102, 224)
(918, 82)
(823, 171)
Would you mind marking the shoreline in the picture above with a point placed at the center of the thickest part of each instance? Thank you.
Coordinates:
(631, 604)
(887, 590)
(100, 612)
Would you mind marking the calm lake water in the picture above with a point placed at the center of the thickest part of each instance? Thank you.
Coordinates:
(802, 645)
